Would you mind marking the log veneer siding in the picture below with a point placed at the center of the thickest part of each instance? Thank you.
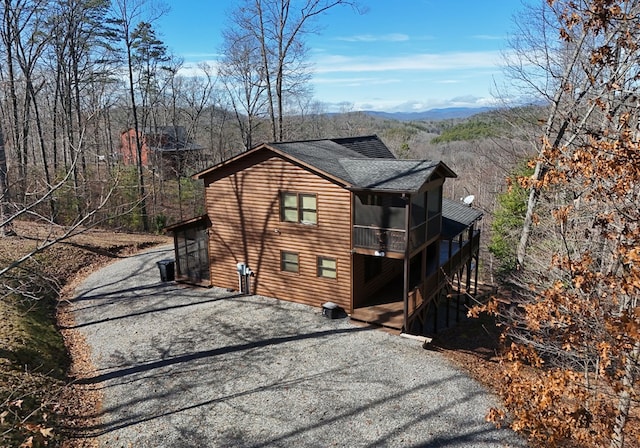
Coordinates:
(243, 205)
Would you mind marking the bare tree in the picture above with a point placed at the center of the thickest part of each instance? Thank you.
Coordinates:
(5, 229)
(133, 19)
(573, 308)
(24, 44)
(558, 71)
(276, 31)
(243, 78)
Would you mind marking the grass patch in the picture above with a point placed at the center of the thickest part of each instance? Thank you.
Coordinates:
(42, 348)
(33, 362)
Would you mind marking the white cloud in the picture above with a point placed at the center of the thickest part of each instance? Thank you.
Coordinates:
(397, 105)
(354, 81)
(194, 69)
(392, 37)
(422, 62)
(201, 56)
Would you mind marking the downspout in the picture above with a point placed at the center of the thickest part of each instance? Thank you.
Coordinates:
(405, 292)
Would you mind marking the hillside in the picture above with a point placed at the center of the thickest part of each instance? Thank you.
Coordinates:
(431, 114)
(39, 404)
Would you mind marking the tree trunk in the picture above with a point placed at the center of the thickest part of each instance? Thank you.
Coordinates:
(539, 170)
(43, 152)
(267, 70)
(136, 125)
(624, 397)
(9, 41)
(6, 229)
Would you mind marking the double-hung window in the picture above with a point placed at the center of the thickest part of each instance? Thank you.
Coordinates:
(298, 207)
(327, 267)
(289, 261)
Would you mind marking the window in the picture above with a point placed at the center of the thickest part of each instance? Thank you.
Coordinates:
(327, 267)
(289, 207)
(289, 261)
(298, 207)
(308, 213)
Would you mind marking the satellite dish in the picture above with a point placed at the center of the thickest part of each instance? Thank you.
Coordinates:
(468, 200)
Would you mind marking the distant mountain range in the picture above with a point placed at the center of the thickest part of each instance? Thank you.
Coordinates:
(431, 114)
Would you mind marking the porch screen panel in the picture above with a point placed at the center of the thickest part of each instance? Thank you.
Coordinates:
(181, 262)
(193, 253)
(386, 212)
(434, 212)
(418, 220)
(434, 202)
(418, 212)
(203, 254)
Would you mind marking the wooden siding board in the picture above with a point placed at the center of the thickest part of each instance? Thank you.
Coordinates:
(256, 236)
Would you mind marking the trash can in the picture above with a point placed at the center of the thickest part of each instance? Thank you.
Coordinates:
(166, 267)
(331, 310)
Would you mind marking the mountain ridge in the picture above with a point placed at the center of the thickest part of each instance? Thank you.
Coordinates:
(431, 114)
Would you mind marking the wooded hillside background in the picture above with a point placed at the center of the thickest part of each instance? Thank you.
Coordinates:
(87, 85)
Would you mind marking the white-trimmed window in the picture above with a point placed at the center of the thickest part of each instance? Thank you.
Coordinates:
(299, 207)
(327, 267)
(289, 261)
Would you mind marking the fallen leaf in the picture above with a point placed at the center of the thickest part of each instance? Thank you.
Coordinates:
(27, 443)
(46, 432)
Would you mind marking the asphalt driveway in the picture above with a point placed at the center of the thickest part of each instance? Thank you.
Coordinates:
(184, 366)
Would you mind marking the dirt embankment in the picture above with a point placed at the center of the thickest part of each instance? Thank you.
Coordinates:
(42, 357)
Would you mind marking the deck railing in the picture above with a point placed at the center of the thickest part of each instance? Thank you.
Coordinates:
(459, 252)
(376, 238)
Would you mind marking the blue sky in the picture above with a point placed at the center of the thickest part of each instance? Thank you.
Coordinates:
(400, 55)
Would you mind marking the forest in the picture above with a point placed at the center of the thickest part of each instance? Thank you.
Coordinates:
(99, 128)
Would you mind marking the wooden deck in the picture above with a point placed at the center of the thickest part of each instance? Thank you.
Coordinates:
(389, 315)
(386, 308)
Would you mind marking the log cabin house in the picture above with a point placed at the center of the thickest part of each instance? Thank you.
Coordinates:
(339, 220)
(163, 147)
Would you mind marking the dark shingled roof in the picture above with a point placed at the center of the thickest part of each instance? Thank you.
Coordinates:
(456, 217)
(321, 154)
(369, 146)
(385, 174)
(361, 162)
(357, 162)
(366, 163)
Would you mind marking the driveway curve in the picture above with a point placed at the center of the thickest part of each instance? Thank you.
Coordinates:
(184, 366)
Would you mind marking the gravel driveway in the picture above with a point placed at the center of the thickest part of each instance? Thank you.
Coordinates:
(184, 366)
